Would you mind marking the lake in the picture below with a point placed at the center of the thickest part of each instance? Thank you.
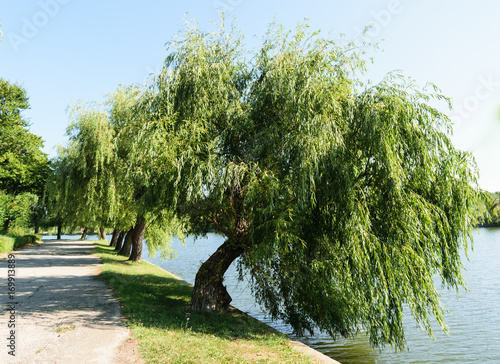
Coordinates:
(474, 319)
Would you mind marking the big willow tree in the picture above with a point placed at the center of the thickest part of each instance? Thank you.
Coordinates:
(341, 200)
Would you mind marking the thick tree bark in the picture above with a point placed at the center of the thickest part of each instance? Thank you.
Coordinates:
(209, 294)
(139, 228)
(102, 233)
(59, 231)
(84, 234)
(119, 241)
(127, 244)
(114, 237)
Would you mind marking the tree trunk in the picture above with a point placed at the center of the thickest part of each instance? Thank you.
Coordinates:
(37, 229)
(119, 241)
(84, 234)
(102, 233)
(209, 294)
(59, 230)
(6, 225)
(139, 228)
(127, 244)
(114, 237)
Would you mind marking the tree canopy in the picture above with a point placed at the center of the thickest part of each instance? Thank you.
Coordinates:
(23, 166)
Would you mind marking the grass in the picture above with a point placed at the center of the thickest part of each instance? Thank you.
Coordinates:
(64, 329)
(155, 304)
(9, 242)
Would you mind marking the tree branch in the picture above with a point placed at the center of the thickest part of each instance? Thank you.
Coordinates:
(211, 217)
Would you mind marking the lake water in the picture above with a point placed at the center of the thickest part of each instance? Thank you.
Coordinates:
(474, 319)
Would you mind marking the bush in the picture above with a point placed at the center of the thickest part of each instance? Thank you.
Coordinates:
(6, 243)
(30, 239)
(12, 242)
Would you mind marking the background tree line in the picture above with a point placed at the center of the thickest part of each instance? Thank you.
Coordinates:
(492, 207)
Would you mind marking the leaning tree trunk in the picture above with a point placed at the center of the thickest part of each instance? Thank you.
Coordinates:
(84, 234)
(209, 294)
(102, 233)
(114, 237)
(119, 241)
(127, 244)
(139, 228)
(59, 232)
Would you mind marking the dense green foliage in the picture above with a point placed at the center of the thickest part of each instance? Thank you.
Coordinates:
(97, 180)
(23, 166)
(17, 240)
(80, 191)
(342, 200)
(492, 207)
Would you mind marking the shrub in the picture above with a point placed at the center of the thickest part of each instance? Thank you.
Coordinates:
(6, 243)
(12, 242)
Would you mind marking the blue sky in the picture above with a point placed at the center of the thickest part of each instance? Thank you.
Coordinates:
(63, 50)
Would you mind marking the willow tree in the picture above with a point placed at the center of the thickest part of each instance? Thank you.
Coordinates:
(89, 182)
(136, 206)
(341, 200)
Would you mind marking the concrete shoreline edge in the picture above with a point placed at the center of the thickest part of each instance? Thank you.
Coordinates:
(303, 348)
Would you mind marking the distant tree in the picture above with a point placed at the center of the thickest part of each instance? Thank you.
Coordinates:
(86, 182)
(341, 200)
(54, 198)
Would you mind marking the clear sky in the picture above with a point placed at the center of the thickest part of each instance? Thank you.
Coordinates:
(62, 50)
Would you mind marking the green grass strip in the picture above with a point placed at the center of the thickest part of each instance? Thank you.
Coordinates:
(155, 304)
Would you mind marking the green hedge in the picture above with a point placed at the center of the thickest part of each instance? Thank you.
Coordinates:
(12, 242)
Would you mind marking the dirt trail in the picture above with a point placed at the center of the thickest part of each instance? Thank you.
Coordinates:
(63, 313)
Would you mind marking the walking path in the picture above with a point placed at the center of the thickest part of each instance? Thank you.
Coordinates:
(61, 311)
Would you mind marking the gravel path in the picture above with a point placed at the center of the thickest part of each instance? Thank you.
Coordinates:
(62, 312)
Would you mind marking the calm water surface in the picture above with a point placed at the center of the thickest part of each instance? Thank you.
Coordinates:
(474, 319)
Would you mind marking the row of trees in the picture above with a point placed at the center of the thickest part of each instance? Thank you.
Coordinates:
(492, 217)
(341, 200)
(23, 166)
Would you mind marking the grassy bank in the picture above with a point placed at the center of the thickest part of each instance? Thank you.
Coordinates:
(155, 305)
(12, 242)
